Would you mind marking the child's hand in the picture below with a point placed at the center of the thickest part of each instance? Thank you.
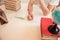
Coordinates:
(30, 17)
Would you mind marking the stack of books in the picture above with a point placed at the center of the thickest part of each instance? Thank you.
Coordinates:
(12, 4)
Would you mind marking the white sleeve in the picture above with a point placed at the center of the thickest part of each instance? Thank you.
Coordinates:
(54, 2)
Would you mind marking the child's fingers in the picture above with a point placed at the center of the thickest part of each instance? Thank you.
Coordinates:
(30, 17)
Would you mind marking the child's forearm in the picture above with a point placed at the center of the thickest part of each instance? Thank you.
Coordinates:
(30, 7)
(44, 7)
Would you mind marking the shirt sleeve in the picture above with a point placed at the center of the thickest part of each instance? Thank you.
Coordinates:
(54, 2)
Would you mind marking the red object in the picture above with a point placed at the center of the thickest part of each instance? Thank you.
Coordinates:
(45, 23)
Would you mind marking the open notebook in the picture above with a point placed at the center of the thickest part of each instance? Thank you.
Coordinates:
(45, 23)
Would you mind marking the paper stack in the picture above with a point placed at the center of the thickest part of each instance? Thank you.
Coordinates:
(12, 4)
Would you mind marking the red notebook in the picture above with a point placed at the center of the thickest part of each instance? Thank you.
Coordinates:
(45, 23)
